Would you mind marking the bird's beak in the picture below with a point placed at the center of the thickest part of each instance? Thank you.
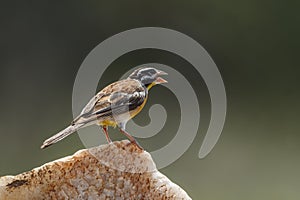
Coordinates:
(160, 80)
(161, 73)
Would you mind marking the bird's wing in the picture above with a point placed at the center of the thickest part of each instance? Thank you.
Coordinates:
(121, 102)
(117, 98)
(101, 98)
(91, 104)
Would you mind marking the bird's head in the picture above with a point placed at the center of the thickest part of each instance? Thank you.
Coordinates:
(148, 76)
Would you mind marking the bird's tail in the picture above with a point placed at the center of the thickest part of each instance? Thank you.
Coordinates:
(61, 135)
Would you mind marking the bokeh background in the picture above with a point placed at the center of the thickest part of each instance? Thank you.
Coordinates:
(254, 43)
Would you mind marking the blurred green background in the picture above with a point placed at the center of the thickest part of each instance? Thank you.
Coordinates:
(254, 43)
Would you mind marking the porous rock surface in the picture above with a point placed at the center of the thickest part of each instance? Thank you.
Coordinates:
(113, 171)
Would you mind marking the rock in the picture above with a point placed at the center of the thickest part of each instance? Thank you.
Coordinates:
(113, 171)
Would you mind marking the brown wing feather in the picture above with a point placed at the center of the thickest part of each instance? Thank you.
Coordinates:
(103, 100)
(128, 86)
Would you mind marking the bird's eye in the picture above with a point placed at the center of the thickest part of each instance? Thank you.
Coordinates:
(135, 94)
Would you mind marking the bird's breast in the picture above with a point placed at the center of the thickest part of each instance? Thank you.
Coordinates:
(108, 123)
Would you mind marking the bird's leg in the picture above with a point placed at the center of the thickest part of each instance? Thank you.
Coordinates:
(104, 129)
(132, 140)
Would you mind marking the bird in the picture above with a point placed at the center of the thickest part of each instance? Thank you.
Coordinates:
(115, 105)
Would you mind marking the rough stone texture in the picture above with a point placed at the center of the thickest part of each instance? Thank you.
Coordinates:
(113, 171)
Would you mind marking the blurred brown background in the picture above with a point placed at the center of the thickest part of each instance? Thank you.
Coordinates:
(254, 43)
